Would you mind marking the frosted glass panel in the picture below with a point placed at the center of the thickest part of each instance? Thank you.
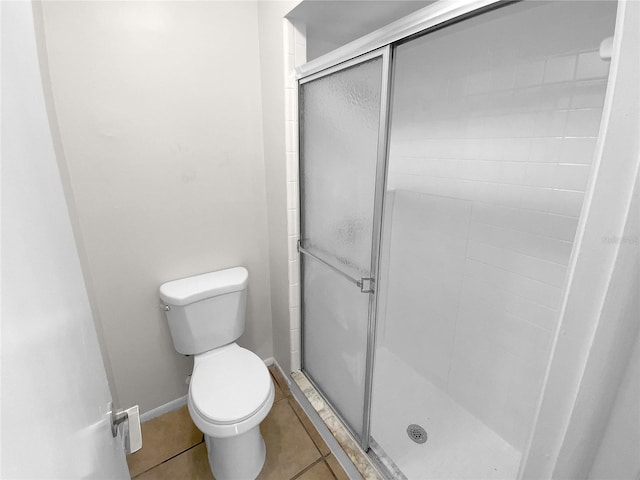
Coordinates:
(493, 131)
(339, 122)
(335, 328)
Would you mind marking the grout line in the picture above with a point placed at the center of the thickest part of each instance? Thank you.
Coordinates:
(519, 252)
(553, 311)
(170, 458)
(510, 184)
(528, 232)
(309, 433)
(460, 296)
(497, 267)
(309, 467)
(495, 203)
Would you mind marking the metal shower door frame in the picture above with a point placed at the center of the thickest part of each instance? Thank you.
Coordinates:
(382, 42)
(385, 54)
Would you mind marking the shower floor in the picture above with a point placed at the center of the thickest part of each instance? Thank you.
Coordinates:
(459, 446)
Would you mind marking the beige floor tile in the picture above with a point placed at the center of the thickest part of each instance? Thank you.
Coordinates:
(282, 383)
(319, 471)
(308, 425)
(289, 448)
(337, 470)
(191, 465)
(162, 438)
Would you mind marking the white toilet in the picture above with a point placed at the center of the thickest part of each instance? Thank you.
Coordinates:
(231, 390)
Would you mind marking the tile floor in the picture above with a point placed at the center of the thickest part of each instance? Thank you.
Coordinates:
(173, 447)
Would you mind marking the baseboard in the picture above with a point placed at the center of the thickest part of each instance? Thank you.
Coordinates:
(283, 374)
(162, 409)
(269, 361)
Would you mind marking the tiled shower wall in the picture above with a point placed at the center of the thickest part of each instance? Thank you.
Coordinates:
(295, 54)
(489, 161)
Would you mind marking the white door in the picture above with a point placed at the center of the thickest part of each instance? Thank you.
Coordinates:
(55, 395)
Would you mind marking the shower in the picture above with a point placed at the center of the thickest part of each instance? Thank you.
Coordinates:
(443, 176)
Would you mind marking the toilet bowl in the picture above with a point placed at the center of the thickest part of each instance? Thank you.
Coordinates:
(231, 390)
(230, 393)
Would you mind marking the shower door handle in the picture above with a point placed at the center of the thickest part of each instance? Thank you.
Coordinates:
(365, 284)
(369, 282)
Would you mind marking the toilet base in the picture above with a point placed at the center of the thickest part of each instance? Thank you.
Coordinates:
(239, 457)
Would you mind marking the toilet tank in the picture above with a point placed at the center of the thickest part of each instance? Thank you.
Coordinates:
(206, 311)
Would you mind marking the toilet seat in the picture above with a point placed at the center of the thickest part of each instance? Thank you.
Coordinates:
(230, 390)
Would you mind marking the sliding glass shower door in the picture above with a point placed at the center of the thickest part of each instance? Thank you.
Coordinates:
(340, 125)
(493, 125)
(493, 131)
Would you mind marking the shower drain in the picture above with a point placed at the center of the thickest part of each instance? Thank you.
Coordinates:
(417, 433)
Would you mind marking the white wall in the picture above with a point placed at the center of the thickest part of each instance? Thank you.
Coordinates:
(55, 395)
(159, 109)
(604, 423)
(618, 456)
(598, 316)
(491, 148)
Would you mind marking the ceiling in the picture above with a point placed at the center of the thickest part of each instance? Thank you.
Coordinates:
(330, 24)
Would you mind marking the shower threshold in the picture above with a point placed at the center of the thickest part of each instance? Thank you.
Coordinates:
(360, 459)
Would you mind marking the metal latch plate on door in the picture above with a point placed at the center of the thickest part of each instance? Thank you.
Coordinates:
(132, 432)
(366, 284)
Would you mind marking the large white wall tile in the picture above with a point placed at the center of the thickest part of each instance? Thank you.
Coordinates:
(560, 69)
(294, 295)
(578, 150)
(294, 272)
(566, 202)
(528, 266)
(529, 73)
(572, 177)
(509, 302)
(293, 222)
(293, 247)
(294, 313)
(583, 123)
(292, 167)
(546, 295)
(424, 279)
(545, 150)
(292, 195)
(496, 364)
(294, 338)
(590, 65)
(544, 248)
(589, 94)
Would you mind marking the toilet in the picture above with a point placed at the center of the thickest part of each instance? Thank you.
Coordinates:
(230, 391)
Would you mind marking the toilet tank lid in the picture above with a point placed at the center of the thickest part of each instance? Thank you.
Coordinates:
(193, 289)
